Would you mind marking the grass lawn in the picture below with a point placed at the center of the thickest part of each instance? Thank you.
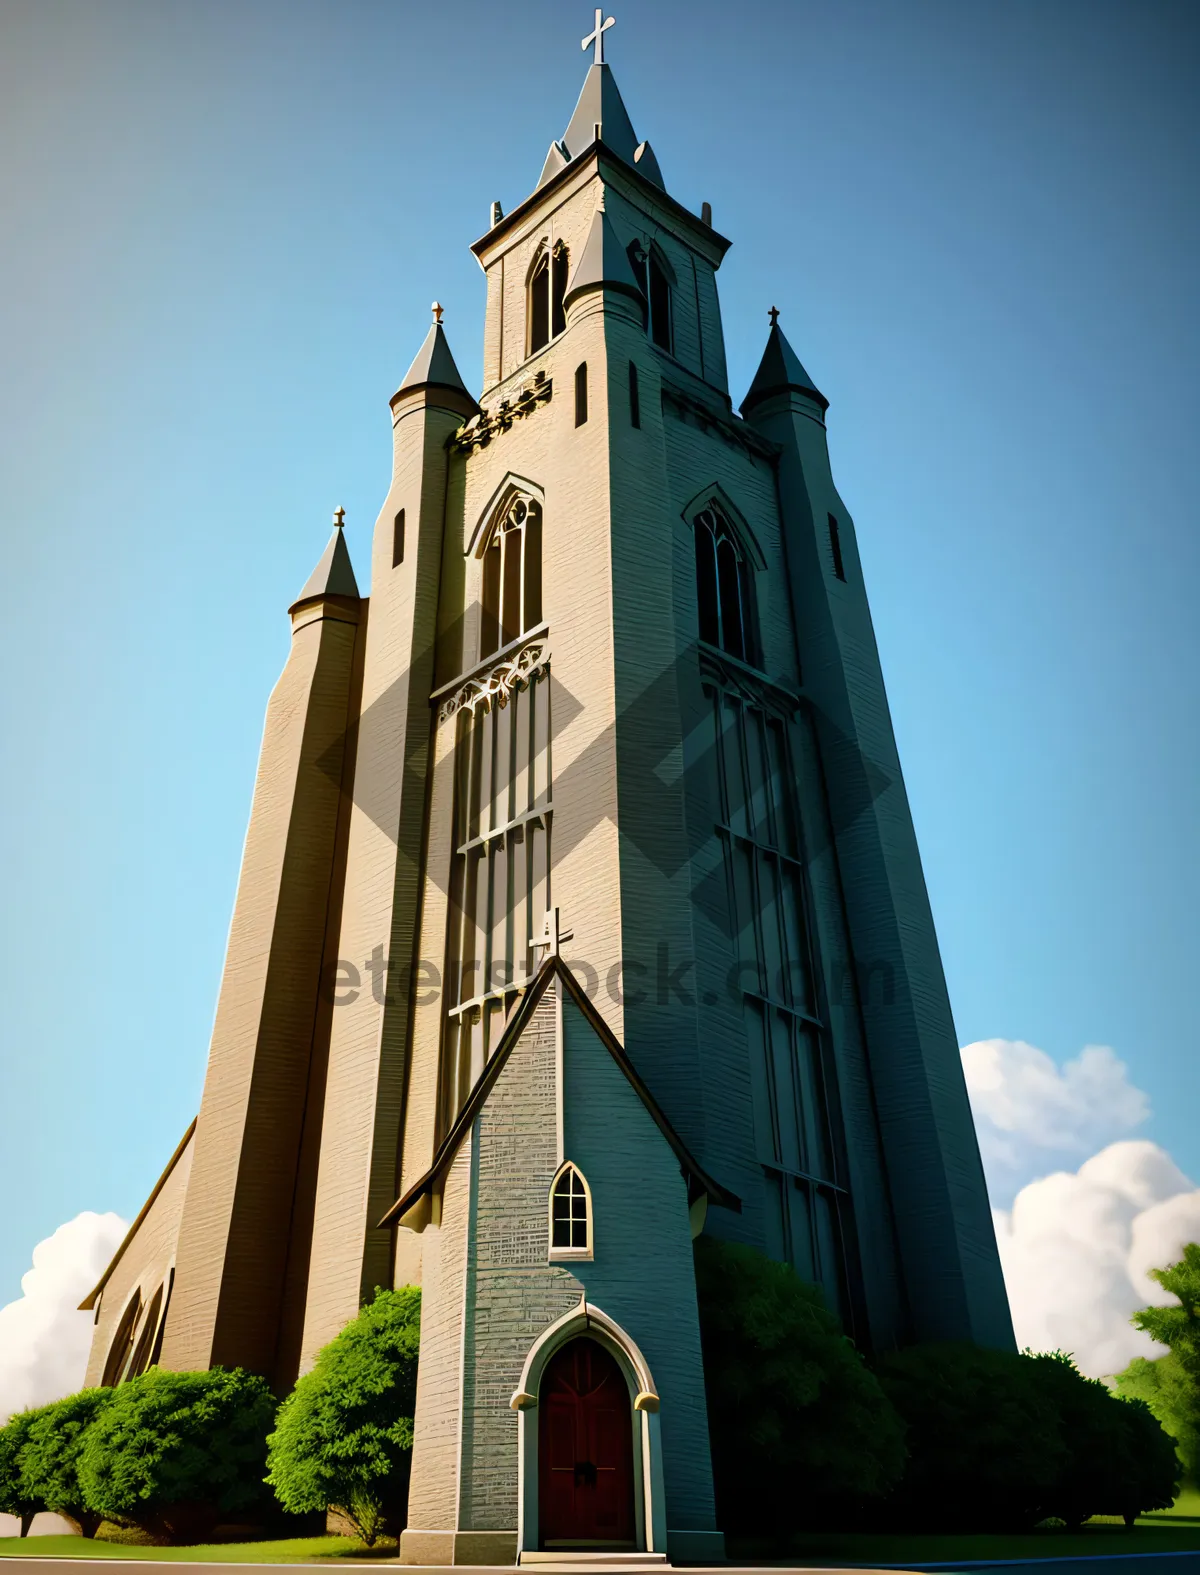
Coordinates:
(299, 1550)
(1174, 1530)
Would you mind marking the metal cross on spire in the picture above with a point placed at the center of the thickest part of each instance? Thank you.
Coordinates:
(339, 518)
(596, 36)
(773, 314)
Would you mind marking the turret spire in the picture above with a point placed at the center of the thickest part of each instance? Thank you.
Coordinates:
(780, 371)
(434, 364)
(334, 574)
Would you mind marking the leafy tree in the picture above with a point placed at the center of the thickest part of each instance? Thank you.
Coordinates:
(1117, 1459)
(1174, 1398)
(1178, 1327)
(174, 1453)
(800, 1428)
(984, 1439)
(50, 1457)
(15, 1495)
(343, 1437)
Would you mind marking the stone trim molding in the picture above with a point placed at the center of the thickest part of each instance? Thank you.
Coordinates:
(479, 431)
(494, 681)
(747, 682)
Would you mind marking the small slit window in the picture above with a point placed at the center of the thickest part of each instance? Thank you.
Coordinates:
(835, 548)
(398, 540)
(635, 403)
(570, 1215)
(581, 393)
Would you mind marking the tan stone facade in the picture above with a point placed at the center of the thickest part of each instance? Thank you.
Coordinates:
(562, 745)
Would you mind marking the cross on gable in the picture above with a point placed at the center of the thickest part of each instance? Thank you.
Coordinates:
(596, 36)
(551, 935)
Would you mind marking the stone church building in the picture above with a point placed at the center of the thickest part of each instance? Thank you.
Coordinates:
(580, 912)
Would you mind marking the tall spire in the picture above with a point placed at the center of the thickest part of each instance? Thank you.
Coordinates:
(600, 104)
(780, 372)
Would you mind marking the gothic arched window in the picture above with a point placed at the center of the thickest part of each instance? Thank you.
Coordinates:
(724, 588)
(118, 1351)
(570, 1215)
(653, 273)
(547, 287)
(143, 1354)
(512, 575)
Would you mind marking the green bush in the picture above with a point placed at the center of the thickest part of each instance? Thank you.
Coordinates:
(984, 1442)
(343, 1437)
(50, 1458)
(1174, 1398)
(1153, 1469)
(15, 1496)
(174, 1453)
(1116, 1458)
(800, 1428)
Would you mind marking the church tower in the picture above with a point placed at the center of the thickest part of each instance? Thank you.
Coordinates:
(581, 911)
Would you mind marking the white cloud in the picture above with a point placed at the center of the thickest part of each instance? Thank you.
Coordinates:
(1032, 1115)
(44, 1339)
(1076, 1246)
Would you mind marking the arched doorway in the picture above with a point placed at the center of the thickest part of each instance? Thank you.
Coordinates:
(585, 1450)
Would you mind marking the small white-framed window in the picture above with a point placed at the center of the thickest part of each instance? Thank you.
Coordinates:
(570, 1214)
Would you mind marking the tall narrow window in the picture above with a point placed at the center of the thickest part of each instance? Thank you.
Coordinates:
(547, 287)
(570, 1215)
(539, 304)
(660, 304)
(724, 588)
(122, 1345)
(835, 548)
(398, 540)
(651, 272)
(558, 288)
(512, 576)
(581, 393)
(635, 404)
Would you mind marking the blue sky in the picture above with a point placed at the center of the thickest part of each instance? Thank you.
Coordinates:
(223, 228)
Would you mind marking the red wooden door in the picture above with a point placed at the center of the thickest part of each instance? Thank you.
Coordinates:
(585, 1450)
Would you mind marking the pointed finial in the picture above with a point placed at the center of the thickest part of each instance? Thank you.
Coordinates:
(437, 310)
(339, 518)
(773, 314)
(596, 36)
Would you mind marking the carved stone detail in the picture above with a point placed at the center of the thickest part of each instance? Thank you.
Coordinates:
(481, 429)
(493, 685)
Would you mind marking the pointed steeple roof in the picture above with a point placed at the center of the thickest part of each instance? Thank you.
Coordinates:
(333, 575)
(780, 371)
(434, 364)
(553, 967)
(600, 103)
(603, 262)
